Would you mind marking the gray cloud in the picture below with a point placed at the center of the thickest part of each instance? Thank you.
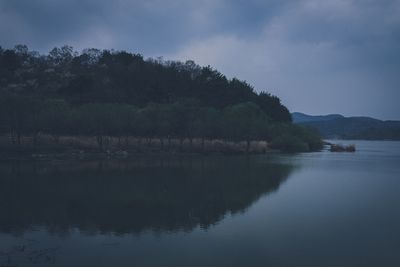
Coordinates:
(319, 56)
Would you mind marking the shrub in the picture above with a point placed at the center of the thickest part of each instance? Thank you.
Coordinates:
(289, 143)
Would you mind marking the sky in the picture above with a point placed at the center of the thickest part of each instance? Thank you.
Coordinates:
(317, 56)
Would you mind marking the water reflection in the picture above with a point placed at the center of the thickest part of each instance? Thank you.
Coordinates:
(131, 196)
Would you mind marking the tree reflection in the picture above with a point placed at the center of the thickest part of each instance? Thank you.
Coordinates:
(133, 195)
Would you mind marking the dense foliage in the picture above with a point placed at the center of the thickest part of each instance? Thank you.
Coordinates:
(116, 93)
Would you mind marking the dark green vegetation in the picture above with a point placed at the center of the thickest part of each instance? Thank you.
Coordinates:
(160, 194)
(337, 126)
(118, 94)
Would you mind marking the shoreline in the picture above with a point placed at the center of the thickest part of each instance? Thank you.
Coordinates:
(87, 147)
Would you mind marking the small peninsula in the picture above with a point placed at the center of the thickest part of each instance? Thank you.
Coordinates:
(114, 101)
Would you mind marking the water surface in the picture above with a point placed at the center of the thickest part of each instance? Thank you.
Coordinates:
(313, 209)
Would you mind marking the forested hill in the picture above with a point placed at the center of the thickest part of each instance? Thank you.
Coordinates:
(120, 77)
(114, 94)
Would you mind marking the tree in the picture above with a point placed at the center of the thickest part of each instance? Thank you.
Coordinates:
(63, 55)
(53, 117)
(20, 115)
(244, 121)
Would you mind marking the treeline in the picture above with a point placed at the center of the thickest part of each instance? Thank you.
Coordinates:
(114, 93)
(28, 116)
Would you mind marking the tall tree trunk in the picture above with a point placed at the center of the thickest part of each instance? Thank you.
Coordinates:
(126, 142)
(106, 142)
(13, 137)
(56, 138)
(35, 138)
(100, 142)
(19, 138)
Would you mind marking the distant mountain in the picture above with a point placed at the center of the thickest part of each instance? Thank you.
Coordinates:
(299, 117)
(338, 126)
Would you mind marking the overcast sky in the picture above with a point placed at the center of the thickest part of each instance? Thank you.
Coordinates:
(318, 56)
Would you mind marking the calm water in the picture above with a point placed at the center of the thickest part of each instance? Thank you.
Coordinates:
(317, 209)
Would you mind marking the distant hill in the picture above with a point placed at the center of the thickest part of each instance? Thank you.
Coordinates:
(338, 126)
(299, 117)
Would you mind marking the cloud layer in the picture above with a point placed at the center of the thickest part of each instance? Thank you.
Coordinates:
(325, 56)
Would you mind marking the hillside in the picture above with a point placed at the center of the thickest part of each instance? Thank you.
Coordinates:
(337, 126)
(107, 93)
(108, 76)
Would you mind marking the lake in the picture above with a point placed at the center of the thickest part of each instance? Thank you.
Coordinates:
(311, 209)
